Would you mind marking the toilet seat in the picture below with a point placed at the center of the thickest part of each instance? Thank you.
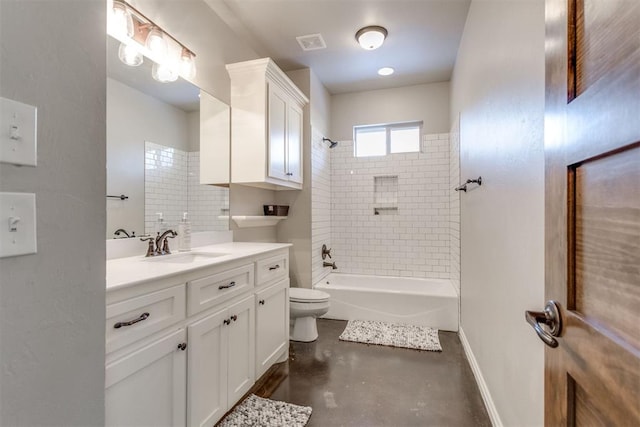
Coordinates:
(304, 295)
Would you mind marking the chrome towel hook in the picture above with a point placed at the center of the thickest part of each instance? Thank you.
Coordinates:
(463, 187)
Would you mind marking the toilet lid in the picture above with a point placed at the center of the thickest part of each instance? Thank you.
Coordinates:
(307, 295)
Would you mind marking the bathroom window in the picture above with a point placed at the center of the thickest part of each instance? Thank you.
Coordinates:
(380, 140)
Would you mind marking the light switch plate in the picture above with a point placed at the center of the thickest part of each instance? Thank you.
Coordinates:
(18, 133)
(17, 224)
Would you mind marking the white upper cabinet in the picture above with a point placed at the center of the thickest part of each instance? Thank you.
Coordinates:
(266, 126)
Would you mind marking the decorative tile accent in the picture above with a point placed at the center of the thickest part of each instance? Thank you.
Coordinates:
(258, 411)
(392, 334)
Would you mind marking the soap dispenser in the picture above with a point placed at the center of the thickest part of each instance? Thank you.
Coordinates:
(184, 234)
(160, 226)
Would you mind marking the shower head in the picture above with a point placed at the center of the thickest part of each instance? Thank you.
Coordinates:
(333, 143)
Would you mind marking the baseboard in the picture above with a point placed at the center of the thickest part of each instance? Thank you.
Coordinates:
(482, 385)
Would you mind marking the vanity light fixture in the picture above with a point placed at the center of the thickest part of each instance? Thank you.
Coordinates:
(163, 73)
(119, 20)
(386, 71)
(187, 64)
(157, 44)
(371, 37)
(130, 55)
(141, 37)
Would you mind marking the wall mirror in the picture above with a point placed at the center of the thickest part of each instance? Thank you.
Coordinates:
(153, 152)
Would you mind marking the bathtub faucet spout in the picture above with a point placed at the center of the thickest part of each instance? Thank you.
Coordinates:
(330, 264)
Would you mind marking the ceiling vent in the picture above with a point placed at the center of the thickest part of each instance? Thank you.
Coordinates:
(311, 42)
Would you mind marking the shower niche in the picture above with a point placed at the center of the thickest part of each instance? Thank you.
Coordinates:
(385, 195)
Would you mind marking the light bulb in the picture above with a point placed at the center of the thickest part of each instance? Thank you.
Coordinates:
(187, 65)
(163, 73)
(157, 45)
(372, 37)
(386, 71)
(120, 21)
(130, 55)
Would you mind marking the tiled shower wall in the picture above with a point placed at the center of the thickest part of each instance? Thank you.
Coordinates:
(208, 205)
(172, 186)
(320, 204)
(165, 184)
(454, 204)
(410, 236)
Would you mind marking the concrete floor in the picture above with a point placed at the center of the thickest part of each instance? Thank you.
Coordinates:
(352, 384)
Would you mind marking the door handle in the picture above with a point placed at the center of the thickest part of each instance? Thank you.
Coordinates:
(550, 317)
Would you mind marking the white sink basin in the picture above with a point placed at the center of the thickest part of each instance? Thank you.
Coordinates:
(184, 257)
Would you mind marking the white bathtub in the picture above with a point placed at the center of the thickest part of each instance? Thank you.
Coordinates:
(426, 302)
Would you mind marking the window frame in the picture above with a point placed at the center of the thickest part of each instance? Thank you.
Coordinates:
(388, 127)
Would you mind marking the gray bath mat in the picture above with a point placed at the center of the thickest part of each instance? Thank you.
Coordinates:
(260, 412)
(392, 334)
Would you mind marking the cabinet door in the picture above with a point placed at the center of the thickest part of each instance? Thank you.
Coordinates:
(148, 386)
(241, 346)
(272, 325)
(207, 372)
(277, 133)
(294, 144)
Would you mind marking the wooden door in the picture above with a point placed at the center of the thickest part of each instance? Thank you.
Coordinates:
(592, 152)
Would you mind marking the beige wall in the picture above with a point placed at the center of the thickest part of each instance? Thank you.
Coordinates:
(52, 304)
(498, 88)
(427, 102)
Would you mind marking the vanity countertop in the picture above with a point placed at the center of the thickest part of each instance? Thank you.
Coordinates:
(124, 272)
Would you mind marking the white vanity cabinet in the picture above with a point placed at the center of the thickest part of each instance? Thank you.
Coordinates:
(266, 126)
(221, 361)
(183, 349)
(272, 325)
(147, 387)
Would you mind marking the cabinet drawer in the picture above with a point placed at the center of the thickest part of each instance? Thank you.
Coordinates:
(212, 290)
(271, 269)
(133, 319)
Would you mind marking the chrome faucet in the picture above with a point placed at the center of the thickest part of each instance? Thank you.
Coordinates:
(330, 264)
(162, 245)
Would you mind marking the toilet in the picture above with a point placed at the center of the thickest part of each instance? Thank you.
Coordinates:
(305, 306)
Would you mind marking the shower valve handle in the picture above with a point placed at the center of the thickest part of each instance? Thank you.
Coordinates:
(326, 252)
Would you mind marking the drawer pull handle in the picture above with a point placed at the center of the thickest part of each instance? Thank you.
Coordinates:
(142, 317)
(230, 285)
(226, 321)
(182, 346)
(261, 302)
(234, 317)
(277, 266)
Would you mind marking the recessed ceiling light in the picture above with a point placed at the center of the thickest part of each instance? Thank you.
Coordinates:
(371, 37)
(386, 71)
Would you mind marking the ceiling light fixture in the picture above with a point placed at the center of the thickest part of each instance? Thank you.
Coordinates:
(141, 37)
(386, 71)
(371, 37)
